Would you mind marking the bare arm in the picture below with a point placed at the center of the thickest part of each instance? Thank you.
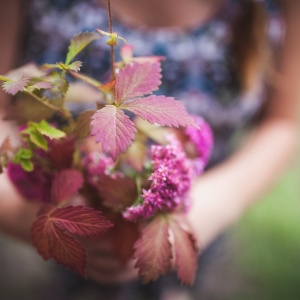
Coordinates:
(16, 215)
(224, 193)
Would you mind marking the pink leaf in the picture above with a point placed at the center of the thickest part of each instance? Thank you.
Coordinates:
(160, 109)
(15, 86)
(185, 250)
(66, 184)
(80, 220)
(153, 250)
(137, 80)
(113, 129)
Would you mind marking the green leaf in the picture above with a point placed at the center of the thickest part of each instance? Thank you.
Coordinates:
(75, 66)
(25, 153)
(78, 43)
(27, 165)
(38, 139)
(46, 129)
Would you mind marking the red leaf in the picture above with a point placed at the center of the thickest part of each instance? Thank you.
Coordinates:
(137, 80)
(51, 234)
(61, 153)
(153, 250)
(117, 198)
(80, 220)
(124, 234)
(160, 109)
(52, 242)
(66, 184)
(185, 250)
(113, 129)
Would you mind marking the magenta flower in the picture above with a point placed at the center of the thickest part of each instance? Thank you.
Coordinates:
(33, 186)
(170, 183)
(203, 140)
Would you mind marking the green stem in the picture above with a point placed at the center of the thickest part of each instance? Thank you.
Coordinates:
(53, 107)
(64, 112)
(112, 49)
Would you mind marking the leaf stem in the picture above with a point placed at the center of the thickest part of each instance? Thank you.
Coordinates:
(64, 112)
(112, 49)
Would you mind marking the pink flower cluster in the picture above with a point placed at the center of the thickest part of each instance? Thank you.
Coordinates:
(96, 165)
(203, 140)
(171, 182)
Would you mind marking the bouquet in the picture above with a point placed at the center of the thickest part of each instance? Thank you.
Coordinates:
(131, 186)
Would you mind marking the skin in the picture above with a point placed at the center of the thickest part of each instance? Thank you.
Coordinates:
(222, 194)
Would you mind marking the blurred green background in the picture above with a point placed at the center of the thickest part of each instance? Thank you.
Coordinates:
(266, 242)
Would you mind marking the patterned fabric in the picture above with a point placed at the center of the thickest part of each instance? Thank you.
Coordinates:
(198, 69)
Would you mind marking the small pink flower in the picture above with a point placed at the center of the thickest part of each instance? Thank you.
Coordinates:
(96, 165)
(203, 140)
(170, 182)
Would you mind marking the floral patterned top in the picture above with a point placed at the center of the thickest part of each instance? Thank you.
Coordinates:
(197, 70)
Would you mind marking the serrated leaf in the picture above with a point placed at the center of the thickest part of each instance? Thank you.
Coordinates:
(51, 132)
(137, 80)
(51, 234)
(27, 165)
(75, 66)
(185, 250)
(113, 129)
(117, 198)
(160, 109)
(66, 184)
(52, 242)
(14, 86)
(153, 250)
(83, 123)
(23, 153)
(78, 43)
(80, 220)
(38, 139)
(61, 153)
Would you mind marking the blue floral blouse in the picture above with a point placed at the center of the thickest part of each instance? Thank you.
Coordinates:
(197, 70)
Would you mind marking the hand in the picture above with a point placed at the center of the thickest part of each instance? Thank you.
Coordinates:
(104, 267)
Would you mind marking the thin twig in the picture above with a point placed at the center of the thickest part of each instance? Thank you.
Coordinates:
(112, 49)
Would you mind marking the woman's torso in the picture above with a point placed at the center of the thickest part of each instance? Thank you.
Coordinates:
(198, 69)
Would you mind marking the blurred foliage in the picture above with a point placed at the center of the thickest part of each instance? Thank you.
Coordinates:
(268, 239)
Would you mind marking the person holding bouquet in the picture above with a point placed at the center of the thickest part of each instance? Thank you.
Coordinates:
(218, 62)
